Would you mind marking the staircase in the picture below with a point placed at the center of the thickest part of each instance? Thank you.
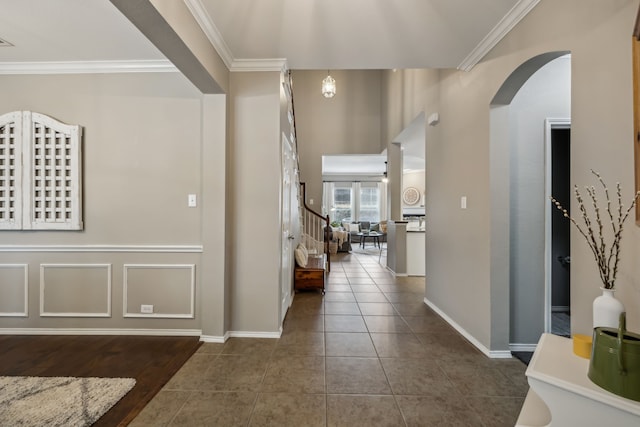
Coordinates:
(314, 227)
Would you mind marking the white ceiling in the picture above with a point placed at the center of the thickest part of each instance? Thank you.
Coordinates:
(309, 34)
(70, 30)
(360, 34)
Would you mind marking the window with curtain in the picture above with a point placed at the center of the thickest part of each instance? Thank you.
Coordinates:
(354, 201)
(369, 209)
(342, 202)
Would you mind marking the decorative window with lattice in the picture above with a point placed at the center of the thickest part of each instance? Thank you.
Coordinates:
(40, 173)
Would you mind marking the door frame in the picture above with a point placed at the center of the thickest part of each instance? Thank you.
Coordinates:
(549, 125)
(287, 191)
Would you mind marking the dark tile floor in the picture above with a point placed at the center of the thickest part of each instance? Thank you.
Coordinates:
(561, 324)
(367, 353)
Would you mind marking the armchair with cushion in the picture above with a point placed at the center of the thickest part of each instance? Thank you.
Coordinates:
(367, 226)
(342, 238)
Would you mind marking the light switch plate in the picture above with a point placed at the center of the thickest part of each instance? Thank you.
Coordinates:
(192, 201)
(463, 202)
(146, 309)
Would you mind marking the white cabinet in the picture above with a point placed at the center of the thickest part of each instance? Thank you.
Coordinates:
(415, 253)
(559, 379)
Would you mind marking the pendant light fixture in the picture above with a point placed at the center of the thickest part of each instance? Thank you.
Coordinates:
(329, 86)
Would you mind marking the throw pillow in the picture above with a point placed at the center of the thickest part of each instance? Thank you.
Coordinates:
(383, 227)
(375, 227)
(300, 258)
(305, 251)
(354, 227)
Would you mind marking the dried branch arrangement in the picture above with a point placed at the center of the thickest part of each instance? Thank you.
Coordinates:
(607, 256)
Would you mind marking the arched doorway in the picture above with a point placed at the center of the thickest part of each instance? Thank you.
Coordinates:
(536, 91)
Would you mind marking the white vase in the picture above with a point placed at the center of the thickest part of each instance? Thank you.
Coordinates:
(607, 309)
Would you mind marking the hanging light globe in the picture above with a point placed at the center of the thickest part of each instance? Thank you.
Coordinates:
(329, 87)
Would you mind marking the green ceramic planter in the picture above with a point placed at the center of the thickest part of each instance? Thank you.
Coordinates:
(615, 360)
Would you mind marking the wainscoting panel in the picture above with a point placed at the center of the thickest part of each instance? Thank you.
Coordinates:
(75, 290)
(167, 290)
(14, 290)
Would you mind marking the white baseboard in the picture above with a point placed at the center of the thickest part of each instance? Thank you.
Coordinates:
(98, 331)
(500, 354)
(250, 334)
(522, 347)
(239, 334)
(394, 274)
(140, 332)
(494, 354)
(214, 338)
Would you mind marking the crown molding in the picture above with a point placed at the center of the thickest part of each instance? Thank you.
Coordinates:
(275, 64)
(87, 67)
(506, 24)
(203, 18)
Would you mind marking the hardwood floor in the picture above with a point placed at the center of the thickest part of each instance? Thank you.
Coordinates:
(152, 361)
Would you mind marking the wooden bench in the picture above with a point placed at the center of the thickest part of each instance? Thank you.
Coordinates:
(312, 276)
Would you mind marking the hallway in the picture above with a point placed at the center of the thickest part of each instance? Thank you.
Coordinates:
(367, 353)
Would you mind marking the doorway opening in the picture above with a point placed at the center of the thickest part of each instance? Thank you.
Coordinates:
(558, 246)
(520, 185)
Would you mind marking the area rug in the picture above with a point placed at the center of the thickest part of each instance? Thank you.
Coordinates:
(58, 401)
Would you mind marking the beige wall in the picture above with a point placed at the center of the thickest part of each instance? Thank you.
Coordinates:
(348, 123)
(253, 183)
(136, 128)
(546, 94)
(142, 151)
(458, 243)
(214, 277)
(405, 94)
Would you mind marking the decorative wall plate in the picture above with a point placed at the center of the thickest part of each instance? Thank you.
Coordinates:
(411, 196)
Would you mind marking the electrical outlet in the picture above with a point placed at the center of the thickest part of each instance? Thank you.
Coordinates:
(146, 309)
(192, 201)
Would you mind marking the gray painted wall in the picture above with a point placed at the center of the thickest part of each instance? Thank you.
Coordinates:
(462, 279)
(141, 152)
(254, 188)
(597, 35)
(348, 123)
(547, 94)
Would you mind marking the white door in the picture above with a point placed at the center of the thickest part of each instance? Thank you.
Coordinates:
(287, 232)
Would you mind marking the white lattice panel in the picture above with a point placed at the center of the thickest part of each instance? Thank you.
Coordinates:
(55, 173)
(10, 171)
(45, 170)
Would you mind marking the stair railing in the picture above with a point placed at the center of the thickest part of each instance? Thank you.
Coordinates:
(315, 229)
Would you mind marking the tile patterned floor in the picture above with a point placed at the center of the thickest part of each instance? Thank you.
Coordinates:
(367, 353)
(561, 324)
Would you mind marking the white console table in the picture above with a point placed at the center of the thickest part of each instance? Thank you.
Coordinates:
(561, 394)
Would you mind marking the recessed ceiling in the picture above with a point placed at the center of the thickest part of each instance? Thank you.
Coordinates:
(309, 34)
(361, 34)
